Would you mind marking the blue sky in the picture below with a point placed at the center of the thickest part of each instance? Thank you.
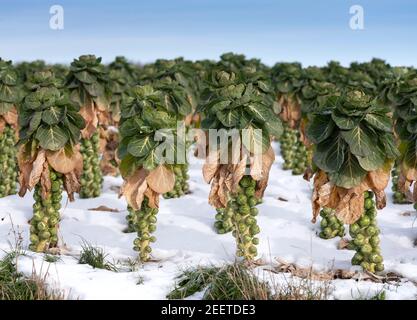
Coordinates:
(312, 32)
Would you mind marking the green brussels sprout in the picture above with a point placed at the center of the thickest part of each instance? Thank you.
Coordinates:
(364, 221)
(241, 199)
(366, 248)
(369, 203)
(250, 192)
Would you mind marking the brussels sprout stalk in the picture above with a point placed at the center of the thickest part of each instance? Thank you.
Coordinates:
(91, 180)
(398, 196)
(365, 238)
(8, 167)
(242, 206)
(294, 152)
(145, 225)
(45, 221)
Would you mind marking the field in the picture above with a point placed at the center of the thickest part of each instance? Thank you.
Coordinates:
(186, 238)
(223, 180)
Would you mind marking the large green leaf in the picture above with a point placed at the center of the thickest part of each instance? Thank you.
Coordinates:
(229, 118)
(350, 174)
(345, 122)
(218, 106)
(157, 118)
(7, 94)
(274, 127)
(255, 139)
(330, 154)
(141, 146)
(85, 77)
(373, 161)
(35, 121)
(380, 122)
(51, 137)
(52, 115)
(359, 140)
(320, 128)
(259, 112)
(390, 149)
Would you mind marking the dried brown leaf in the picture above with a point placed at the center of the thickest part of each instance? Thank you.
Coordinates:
(238, 172)
(153, 198)
(103, 208)
(71, 184)
(45, 181)
(211, 166)
(267, 160)
(37, 169)
(161, 179)
(62, 161)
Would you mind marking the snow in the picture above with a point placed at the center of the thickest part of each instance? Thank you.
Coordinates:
(185, 238)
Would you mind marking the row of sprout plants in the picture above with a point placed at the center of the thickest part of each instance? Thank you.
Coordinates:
(348, 130)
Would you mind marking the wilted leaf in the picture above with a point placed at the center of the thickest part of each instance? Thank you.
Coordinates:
(37, 169)
(161, 179)
(62, 161)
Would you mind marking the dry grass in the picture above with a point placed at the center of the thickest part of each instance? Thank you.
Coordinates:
(14, 285)
(239, 282)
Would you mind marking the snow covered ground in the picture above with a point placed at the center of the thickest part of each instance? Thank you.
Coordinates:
(185, 237)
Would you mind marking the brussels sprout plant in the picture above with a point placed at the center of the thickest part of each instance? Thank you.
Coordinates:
(287, 78)
(86, 82)
(9, 99)
(404, 97)
(146, 175)
(175, 79)
(354, 152)
(49, 159)
(234, 103)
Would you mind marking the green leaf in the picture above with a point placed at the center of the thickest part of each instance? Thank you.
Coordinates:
(35, 121)
(151, 161)
(85, 77)
(412, 126)
(330, 154)
(127, 165)
(380, 122)
(345, 122)
(255, 139)
(390, 148)
(51, 137)
(52, 115)
(259, 112)
(410, 154)
(229, 118)
(274, 127)
(141, 146)
(220, 106)
(350, 174)
(7, 94)
(373, 161)
(320, 128)
(359, 140)
(157, 118)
